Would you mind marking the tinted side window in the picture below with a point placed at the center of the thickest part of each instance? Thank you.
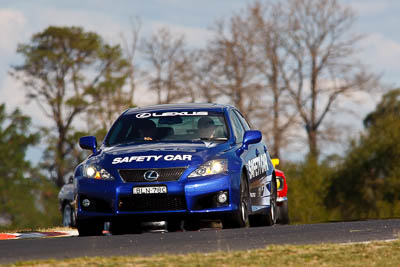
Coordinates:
(238, 129)
(243, 120)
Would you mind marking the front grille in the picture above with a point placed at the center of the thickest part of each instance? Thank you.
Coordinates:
(152, 203)
(165, 174)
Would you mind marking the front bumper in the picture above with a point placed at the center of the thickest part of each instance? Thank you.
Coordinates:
(185, 198)
(281, 199)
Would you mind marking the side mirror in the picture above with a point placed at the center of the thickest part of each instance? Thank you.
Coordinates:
(71, 179)
(275, 162)
(89, 143)
(251, 137)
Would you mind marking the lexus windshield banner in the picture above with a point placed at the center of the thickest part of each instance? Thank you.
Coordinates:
(167, 114)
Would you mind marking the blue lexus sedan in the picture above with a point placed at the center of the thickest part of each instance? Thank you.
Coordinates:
(179, 163)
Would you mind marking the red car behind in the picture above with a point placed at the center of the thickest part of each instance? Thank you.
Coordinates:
(282, 200)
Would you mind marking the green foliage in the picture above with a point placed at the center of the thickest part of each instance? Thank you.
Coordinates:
(388, 107)
(363, 184)
(26, 199)
(307, 185)
(367, 184)
(69, 73)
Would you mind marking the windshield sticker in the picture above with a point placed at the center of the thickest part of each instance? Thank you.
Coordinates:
(119, 160)
(166, 114)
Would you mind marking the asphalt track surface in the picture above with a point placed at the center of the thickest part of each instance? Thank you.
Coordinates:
(208, 240)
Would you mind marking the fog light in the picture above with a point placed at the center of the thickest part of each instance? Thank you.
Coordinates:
(222, 197)
(86, 202)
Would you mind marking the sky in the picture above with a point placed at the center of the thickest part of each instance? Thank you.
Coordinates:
(378, 21)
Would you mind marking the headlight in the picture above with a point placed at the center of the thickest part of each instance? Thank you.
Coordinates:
(210, 167)
(95, 172)
(279, 183)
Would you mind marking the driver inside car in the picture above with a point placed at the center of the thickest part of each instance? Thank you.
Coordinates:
(147, 130)
(206, 128)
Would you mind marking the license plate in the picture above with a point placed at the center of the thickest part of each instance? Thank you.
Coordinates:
(150, 190)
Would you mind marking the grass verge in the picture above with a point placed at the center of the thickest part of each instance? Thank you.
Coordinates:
(364, 254)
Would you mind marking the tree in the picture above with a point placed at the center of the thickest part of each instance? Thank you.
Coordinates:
(109, 97)
(66, 70)
(22, 199)
(232, 65)
(243, 66)
(278, 115)
(205, 79)
(130, 49)
(367, 183)
(285, 65)
(389, 107)
(170, 67)
(322, 67)
(308, 184)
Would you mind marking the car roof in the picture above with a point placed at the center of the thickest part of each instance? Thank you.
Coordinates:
(185, 106)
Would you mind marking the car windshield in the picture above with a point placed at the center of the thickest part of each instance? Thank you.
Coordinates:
(168, 126)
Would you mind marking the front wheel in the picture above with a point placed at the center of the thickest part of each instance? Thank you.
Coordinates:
(174, 225)
(120, 227)
(240, 218)
(191, 225)
(90, 227)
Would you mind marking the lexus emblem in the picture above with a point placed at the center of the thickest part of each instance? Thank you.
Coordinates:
(151, 175)
(143, 115)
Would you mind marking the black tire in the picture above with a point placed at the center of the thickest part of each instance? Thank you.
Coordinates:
(68, 216)
(117, 228)
(239, 218)
(174, 225)
(90, 227)
(283, 213)
(191, 225)
(121, 227)
(272, 211)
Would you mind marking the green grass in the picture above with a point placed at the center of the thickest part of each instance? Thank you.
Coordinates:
(364, 254)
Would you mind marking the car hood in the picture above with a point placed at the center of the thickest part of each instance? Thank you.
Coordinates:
(160, 154)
